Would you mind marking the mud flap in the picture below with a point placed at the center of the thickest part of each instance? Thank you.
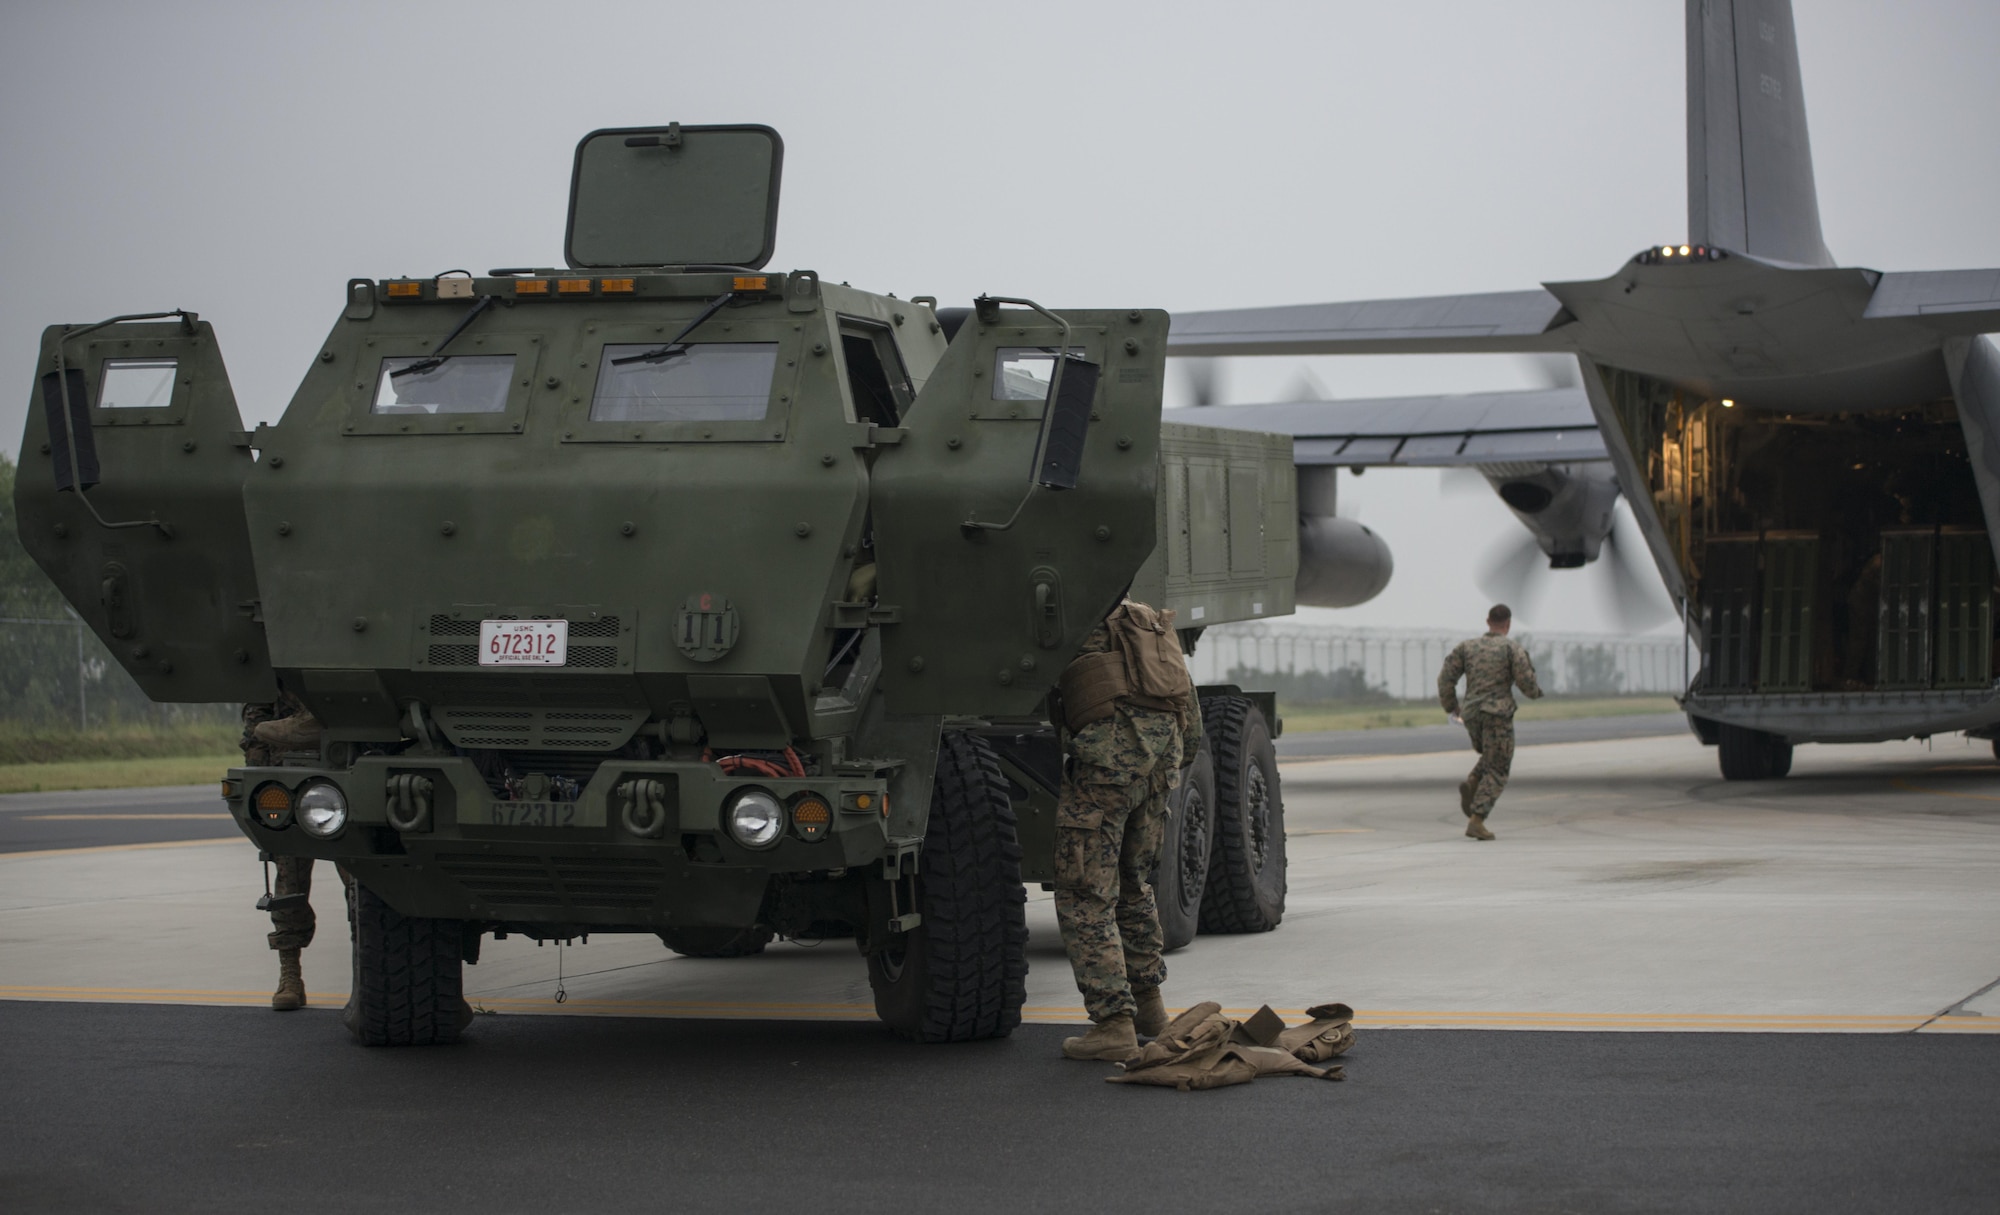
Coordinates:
(174, 594)
(989, 615)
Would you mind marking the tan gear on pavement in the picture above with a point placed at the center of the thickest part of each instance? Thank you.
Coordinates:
(1475, 828)
(1151, 1016)
(291, 993)
(1111, 1040)
(1202, 1049)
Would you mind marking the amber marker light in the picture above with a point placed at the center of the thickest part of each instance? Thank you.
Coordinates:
(274, 805)
(572, 286)
(531, 286)
(406, 291)
(751, 282)
(616, 286)
(811, 816)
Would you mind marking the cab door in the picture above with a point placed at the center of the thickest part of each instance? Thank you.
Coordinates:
(161, 571)
(988, 616)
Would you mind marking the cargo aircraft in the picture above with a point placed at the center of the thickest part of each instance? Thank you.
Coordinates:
(1811, 451)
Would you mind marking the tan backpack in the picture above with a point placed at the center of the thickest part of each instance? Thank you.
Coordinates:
(1152, 655)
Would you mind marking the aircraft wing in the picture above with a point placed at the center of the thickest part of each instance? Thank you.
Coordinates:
(1953, 301)
(1545, 426)
(1503, 321)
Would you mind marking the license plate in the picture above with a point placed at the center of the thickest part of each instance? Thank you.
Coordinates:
(533, 814)
(523, 643)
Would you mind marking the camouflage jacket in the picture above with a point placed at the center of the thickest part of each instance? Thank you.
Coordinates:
(1492, 665)
(1135, 741)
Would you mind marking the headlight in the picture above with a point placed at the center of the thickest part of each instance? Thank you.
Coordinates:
(755, 818)
(322, 810)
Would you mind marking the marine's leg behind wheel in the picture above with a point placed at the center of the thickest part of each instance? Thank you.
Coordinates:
(1246, 868)
(407, 976)
(962, 973)
(1182, 874)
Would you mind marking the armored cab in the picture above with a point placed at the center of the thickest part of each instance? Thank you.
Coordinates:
(664, 593)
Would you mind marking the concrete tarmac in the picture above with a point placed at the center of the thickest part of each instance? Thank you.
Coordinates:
(1781, 996)
(1444, 736)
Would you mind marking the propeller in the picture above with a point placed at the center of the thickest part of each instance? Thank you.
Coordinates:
(1308, 387)
(1518, 574)
(1204, 381)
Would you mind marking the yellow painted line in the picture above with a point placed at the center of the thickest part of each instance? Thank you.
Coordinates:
(210, 817)
(1071, 1015)
(1977, 797)
(37, 853)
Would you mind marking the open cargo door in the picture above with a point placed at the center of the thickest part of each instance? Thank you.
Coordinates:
(139, 418)
(990, 611)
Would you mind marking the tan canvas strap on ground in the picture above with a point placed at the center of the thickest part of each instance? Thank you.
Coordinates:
(1152, 654)
(1202, 1049)
(1091, 688)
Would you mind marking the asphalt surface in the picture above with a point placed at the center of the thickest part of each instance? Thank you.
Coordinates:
(1420, 740)
(127, 1108)
(98, 818)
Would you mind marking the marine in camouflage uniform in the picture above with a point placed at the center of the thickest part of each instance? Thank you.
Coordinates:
(267, 729)
(1491, 666)
(1110, 824)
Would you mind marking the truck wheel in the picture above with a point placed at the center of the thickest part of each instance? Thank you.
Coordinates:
(1747, 754)
(1246, 866)
(717, 942)
(1183, 871)
(962, 973)
(407, 976)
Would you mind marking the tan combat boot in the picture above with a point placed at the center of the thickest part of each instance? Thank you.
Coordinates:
(1475, 828)
(291, 993)
(1465, 792)
(1152, 1017)
(299, 732)
(1110, 1040)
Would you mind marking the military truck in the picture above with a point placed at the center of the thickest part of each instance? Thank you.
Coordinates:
(661, 593)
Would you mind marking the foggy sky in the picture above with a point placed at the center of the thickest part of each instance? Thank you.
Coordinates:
(245, 160)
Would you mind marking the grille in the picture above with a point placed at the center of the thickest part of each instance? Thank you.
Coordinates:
(618, 883)
(446, 626)
(603, 626)
(540, 729)
(453, 656)
(589, 656)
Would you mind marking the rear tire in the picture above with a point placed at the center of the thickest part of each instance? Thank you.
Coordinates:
(1747, 754)
(1246, 868)
(1183, 871)
(962, 973)
(408, 973)
(717, 942)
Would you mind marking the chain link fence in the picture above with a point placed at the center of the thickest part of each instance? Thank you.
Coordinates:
(1324, 663)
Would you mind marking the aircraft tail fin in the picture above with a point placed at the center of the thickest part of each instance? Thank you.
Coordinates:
(1750, 176)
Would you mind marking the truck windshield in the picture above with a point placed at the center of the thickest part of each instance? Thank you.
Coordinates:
(475, 383)
(700, 382)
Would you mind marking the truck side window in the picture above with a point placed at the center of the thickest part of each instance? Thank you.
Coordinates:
(136, 384)
(454, 384)
(876, 378)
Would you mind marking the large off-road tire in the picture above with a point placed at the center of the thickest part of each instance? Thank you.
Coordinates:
(962, 973)
(1747, 754)
(1182, 875)
(717, 942)
(407, 976)
(1246, 866)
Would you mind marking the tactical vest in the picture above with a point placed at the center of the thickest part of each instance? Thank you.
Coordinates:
(1143, 669)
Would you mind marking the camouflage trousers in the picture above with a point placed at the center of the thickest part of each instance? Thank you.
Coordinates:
(1109, 828)
(1493, 737)
(292, 927)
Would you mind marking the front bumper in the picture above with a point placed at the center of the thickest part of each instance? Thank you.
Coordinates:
(590, 870)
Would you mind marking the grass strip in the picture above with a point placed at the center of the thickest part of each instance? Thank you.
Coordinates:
(26, 745)
(1304, 718)
(117, 773)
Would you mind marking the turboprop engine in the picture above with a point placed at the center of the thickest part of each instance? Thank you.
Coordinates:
(1341, 562)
